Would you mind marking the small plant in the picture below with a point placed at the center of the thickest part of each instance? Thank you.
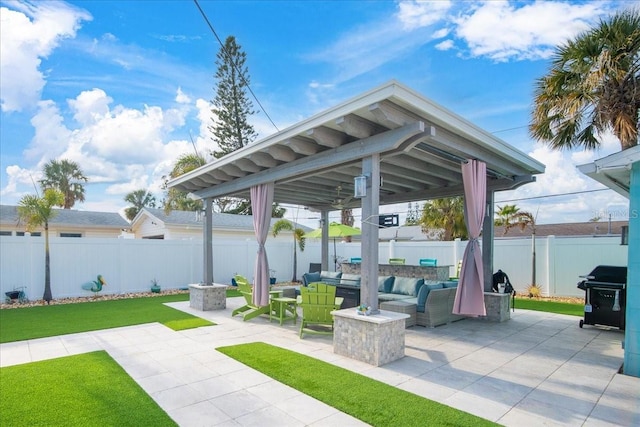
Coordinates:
(155, 288)
(364, 310)
(534, 291)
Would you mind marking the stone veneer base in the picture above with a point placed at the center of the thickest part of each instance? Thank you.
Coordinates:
(420, 271)
(497, 306)
(376, 339)
(208, 297)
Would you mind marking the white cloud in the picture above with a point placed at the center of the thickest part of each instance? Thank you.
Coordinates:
(18, 177)
(415, 14)
(51, 136)
(372, 44)
(501, 30)
(181, 97)
(561, 177)
(445, 45)
(28, 34)
(90, 106)
(119, 149)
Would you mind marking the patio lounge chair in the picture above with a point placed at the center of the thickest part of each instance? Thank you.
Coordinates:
(249, 310)
(318, 300)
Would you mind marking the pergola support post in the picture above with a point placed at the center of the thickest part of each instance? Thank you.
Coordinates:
(207, 238)
(369, 243)
(324, 223)
(487, 242)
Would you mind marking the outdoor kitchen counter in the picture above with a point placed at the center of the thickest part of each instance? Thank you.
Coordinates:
(440, 272)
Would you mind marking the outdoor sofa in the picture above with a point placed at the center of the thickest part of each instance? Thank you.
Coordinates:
(434, 299)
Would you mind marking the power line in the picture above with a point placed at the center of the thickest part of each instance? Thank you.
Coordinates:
(514, 128)
(553, 195)
(234, 65)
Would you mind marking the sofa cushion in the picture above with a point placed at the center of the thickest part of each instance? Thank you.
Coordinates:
(450, 284)
(350, 279)
(385, 283)
(423, 293)
(310, 278)
(406, 286)
(394, 297)
(330, 277)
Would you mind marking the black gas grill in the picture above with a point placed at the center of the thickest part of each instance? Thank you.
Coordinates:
(605, 296)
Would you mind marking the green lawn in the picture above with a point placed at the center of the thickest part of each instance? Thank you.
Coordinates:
(51, 320)
(368, 400)
(85, 390)
(550, 306)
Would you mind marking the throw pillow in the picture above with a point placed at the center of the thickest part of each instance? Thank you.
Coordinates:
(385, 283)
(350, 279)
(330, 277)
(423, 293)
(407, 286)
(310, 278)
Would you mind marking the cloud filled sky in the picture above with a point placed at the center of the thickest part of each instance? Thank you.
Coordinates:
(123, 87)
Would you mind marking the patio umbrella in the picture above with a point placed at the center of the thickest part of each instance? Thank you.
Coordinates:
(336, 230)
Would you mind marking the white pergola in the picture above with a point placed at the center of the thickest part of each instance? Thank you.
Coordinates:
(408, 147)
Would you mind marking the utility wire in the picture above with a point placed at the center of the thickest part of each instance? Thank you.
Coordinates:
(554, 195)
(234, 65)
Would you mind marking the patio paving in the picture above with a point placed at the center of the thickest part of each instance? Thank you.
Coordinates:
(536, 369)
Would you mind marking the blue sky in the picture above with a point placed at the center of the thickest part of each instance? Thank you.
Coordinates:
(121, 87)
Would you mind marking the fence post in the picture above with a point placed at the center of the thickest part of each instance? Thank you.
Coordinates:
(457, 255)
(551, 265)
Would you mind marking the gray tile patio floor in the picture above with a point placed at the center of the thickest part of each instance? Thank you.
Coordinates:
(536, 369)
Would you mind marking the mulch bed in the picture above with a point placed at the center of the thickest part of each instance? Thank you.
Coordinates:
(107, 297)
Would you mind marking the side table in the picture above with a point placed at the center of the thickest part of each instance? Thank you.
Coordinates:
(402, 307)
(283, 309)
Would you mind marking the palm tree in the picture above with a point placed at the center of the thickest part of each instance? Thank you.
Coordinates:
(37, 211)
(593, 86)
(139, 199)
(180, 200)
(65, 176)
(447, 214)
(298, 238)
(505, 215)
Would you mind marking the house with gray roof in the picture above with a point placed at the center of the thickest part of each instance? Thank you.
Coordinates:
(152, 223)
(66, 223)
(573, 229)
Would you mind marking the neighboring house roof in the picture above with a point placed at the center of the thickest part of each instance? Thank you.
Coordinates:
(414, 232)
(568, 229)
(194, 219)
(69, 218)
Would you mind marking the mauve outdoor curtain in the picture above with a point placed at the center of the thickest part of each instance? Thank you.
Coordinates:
(470, 294)
(261, 201)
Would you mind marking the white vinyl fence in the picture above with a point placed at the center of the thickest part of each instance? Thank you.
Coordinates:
(129, 265)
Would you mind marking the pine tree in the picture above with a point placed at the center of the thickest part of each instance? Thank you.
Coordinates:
(231, 106)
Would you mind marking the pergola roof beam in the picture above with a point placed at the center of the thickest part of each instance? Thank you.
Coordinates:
(328, 137)
(327, 159)
(301, 146)
(358, 127)
(392, 115)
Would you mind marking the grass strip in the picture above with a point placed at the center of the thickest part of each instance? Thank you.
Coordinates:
(368, 400)
(85, 390)
(550, 306)
(51, 320)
